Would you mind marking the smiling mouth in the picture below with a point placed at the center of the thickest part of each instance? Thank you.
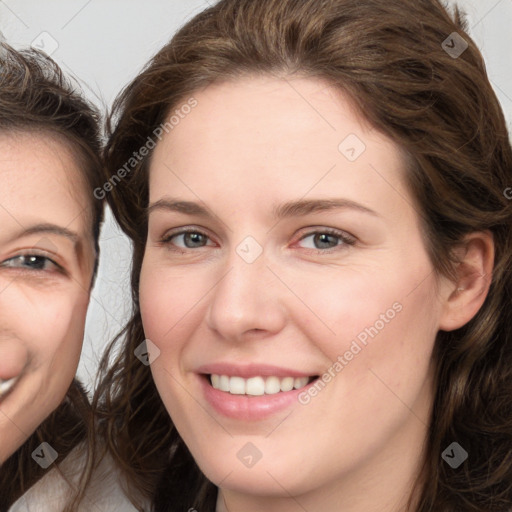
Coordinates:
(258, 385)
(6, 386)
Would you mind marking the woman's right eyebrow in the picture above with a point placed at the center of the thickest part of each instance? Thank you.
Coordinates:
(187, 207)
(48, 228)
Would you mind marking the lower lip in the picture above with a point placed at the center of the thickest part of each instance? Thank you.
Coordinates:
(249, 408)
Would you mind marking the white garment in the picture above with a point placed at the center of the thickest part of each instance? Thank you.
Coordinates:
(51, 492)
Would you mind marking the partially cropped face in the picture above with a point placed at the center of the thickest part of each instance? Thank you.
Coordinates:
(46, 262)
(288, 290)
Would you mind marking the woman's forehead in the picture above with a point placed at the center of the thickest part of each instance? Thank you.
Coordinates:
(40, 179)
(262, 138)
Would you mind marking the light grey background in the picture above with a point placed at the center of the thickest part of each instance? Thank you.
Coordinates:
(104, 43)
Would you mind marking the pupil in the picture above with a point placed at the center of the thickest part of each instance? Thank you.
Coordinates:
(195, 237)
(35, 262)
(323, 237)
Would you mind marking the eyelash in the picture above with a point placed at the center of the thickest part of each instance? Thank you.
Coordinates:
(25, 257)
(348, 240)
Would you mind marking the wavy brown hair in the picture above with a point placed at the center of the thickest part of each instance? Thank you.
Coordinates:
(35, 97)
(441, 111)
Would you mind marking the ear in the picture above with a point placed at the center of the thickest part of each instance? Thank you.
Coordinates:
(464, 297)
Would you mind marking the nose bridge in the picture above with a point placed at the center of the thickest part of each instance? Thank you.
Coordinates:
(248, 297)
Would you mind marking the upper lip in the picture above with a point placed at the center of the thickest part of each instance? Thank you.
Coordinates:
(250, 370)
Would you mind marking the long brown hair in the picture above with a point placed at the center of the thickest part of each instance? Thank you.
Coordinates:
(36, 97)
(392, 57)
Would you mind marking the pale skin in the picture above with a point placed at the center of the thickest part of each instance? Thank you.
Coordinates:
(247, 146)
(46, 264)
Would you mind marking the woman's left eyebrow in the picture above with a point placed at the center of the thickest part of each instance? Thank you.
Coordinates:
(305, 207)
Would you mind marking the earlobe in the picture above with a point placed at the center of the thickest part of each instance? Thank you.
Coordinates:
(464, 297)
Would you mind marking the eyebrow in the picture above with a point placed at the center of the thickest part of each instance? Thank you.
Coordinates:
(300, 207)
(50, 229)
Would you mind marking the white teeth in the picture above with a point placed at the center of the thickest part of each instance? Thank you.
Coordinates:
(257, 386)
(237, 386)
(300, 382)
(223, 383)
(216, 381)
(287, 384)
(6, 385)
(272, 386)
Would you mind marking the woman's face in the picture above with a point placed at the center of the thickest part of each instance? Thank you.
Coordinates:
(304, 268)
(46, 262)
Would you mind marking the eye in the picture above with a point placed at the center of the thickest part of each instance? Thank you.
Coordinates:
(328, 239)
(33, 262)
(191, 239)
(322, 239)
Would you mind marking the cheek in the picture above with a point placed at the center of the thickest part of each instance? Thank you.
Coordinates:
(166, 304)
(388, 302)
(49, 326)
(53, 338)
(376, 328)
(170, 307)
(68, 327)
(59, 324)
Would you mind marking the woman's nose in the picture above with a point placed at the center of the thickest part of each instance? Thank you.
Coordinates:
(249, 298)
